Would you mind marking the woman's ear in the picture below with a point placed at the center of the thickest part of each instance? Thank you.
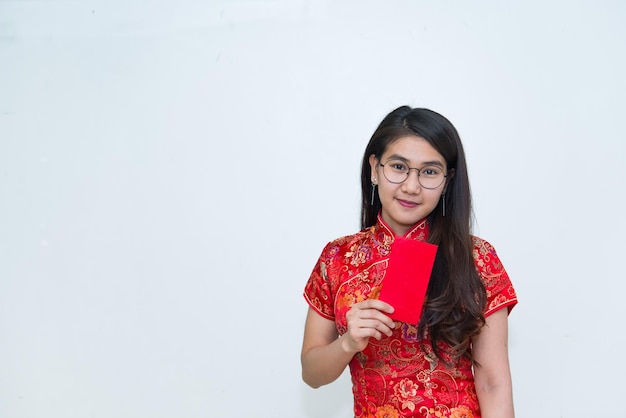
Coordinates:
(374, 167)
(448, 179)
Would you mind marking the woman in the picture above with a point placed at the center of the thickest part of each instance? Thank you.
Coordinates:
(454, 362)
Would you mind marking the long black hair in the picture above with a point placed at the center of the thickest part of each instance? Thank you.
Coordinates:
(456, 297)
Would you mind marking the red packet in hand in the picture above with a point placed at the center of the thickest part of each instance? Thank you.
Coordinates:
(406, 279)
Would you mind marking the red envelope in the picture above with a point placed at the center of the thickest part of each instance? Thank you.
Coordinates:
(406, 279)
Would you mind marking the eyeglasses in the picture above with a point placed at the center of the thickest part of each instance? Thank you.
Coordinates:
(429, 177)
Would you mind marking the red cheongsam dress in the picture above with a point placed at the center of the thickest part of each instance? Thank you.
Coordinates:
(397, 376)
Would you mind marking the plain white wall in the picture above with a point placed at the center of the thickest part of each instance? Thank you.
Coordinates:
(170, 171)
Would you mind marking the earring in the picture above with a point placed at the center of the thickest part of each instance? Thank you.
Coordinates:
(443, 203)
(373, 193)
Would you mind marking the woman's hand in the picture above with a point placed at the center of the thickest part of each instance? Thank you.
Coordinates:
(365, 320)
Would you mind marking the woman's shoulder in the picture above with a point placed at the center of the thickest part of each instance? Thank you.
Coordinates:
(500, 291)
(485, 255)
(350, 240)
(482, 246)
(339, 247)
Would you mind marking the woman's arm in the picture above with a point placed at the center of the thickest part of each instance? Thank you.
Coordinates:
(492, 375)
(324, 356)
(323, 359)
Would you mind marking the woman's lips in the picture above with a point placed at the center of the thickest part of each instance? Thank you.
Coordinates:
(406, 203)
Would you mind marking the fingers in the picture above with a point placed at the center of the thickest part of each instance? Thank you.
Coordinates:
(371, 318)
(357, 338)
(376, 328)
(368, 319)
(375, 304)
(373, 309)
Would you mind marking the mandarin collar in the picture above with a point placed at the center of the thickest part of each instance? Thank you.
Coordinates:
(419, 231)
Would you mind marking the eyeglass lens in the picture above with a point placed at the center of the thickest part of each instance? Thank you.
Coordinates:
(429, 177)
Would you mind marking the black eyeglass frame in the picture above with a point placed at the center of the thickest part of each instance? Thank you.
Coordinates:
(443, 180)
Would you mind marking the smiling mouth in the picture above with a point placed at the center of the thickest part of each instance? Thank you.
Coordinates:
(407, 204)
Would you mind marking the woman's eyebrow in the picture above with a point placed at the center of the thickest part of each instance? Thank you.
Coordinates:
(423, 163)
(435, 162)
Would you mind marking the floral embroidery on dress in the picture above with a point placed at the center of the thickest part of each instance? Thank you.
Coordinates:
(443, 412)
(359, 254)
(406, 391)
(386, 411)
(461, 412)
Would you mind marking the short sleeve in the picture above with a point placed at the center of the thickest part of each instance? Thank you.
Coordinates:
(318, 292)
(500, 291)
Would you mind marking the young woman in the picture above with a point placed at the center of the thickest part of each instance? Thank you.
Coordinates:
(454, 361)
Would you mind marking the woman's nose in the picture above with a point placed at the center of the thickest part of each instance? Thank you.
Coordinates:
(412, 183)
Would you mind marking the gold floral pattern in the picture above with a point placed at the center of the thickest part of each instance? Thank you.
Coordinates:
(386, 411)
(399, 376)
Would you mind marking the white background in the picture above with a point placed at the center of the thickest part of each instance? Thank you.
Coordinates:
(170, 171)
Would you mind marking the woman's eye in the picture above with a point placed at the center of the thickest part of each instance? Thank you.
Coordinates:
(399, 166)
(430, 171)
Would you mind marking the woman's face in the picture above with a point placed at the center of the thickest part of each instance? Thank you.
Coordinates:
(406, 203)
